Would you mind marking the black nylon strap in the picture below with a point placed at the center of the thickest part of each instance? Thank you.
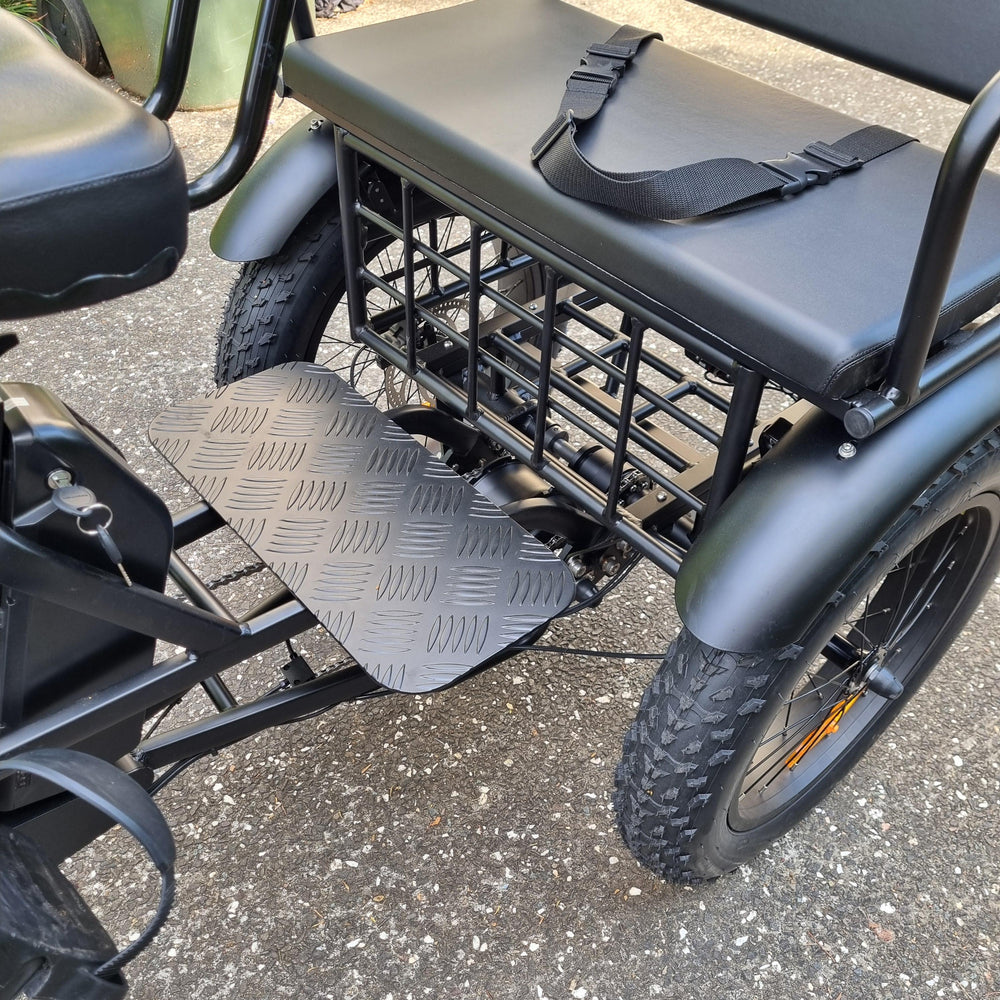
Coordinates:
(725, 184)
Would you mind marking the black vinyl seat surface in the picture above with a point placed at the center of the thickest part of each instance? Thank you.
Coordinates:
(93, 195)
(810, 287)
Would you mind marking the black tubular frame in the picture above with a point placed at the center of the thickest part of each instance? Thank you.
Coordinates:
(263, 65)
(274, 17)
(676, 474)
(212, 639)
(178, 44)
(911, 375)
(175, 58)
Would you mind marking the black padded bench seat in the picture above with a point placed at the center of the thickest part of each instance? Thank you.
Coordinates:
(93, 197)
(810, 287)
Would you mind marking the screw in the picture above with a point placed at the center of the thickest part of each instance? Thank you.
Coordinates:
(610, 565)
(576, 566)
(847, 450)
(661, 496)
(58, 478)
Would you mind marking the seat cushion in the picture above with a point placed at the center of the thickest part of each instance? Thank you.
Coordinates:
(810, 287)
(93, 198)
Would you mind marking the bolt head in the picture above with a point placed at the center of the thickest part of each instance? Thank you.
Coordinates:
(847, 450)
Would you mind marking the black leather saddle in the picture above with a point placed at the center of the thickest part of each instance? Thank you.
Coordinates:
(810, 287)
(93, 198)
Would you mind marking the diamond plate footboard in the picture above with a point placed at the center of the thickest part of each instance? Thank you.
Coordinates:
(412, 570)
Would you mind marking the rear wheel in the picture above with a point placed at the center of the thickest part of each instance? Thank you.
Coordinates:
(728, 751)
(292, 306)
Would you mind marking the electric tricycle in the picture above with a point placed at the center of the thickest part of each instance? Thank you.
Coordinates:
(526, 298)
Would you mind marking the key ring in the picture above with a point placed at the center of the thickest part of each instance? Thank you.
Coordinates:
(93, 509)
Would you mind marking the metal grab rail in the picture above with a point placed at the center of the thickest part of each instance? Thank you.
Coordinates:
(175, 58)
(906, 380)
(263, 62)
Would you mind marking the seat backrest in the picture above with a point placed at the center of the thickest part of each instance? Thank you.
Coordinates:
(952, 46)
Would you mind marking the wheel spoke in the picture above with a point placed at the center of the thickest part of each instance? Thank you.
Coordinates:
(819, 687)
(785, 736)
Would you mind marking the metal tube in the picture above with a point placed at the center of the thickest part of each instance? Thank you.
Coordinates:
(281, 597)
(245, 720)
(195, 589)
(195, 522)
(199, 595)
(410, 320)
(736, 437)
(625, 416)
(475, 287)
(545, 365)
(876, 411)
(960, 171)
(270, 30)
(72, 584)
(347, 176)
(303, 20)
(175, 58)
(163, 682)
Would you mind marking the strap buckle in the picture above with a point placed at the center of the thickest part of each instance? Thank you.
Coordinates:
(604, 63)
(551, 135)
(606, 74)
(814, 165)
(605, 50)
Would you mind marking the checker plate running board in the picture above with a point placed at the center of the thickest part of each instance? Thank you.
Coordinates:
(417, 575)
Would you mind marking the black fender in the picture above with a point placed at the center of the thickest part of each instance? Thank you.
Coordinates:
(804, 517)
(278, 191)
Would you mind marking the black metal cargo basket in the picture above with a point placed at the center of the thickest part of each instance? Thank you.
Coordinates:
(587, 328)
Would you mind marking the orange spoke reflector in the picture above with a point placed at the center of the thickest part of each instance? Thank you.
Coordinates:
(826, 728)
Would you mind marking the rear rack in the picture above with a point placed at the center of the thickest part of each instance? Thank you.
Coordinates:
(614, 408)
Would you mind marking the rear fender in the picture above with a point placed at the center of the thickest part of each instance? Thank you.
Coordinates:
(281, 187)
(804, 517)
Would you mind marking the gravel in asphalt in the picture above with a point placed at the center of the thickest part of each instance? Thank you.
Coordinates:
(461, 844)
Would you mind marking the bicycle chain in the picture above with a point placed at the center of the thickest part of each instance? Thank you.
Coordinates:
(237, 574)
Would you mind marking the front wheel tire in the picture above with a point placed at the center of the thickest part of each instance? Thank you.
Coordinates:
(728, 751)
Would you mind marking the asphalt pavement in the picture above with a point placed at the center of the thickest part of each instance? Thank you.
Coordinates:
(462, 844)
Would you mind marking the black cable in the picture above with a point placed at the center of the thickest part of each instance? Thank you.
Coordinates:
(159, 719)
(378, 693)
(175, 770)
